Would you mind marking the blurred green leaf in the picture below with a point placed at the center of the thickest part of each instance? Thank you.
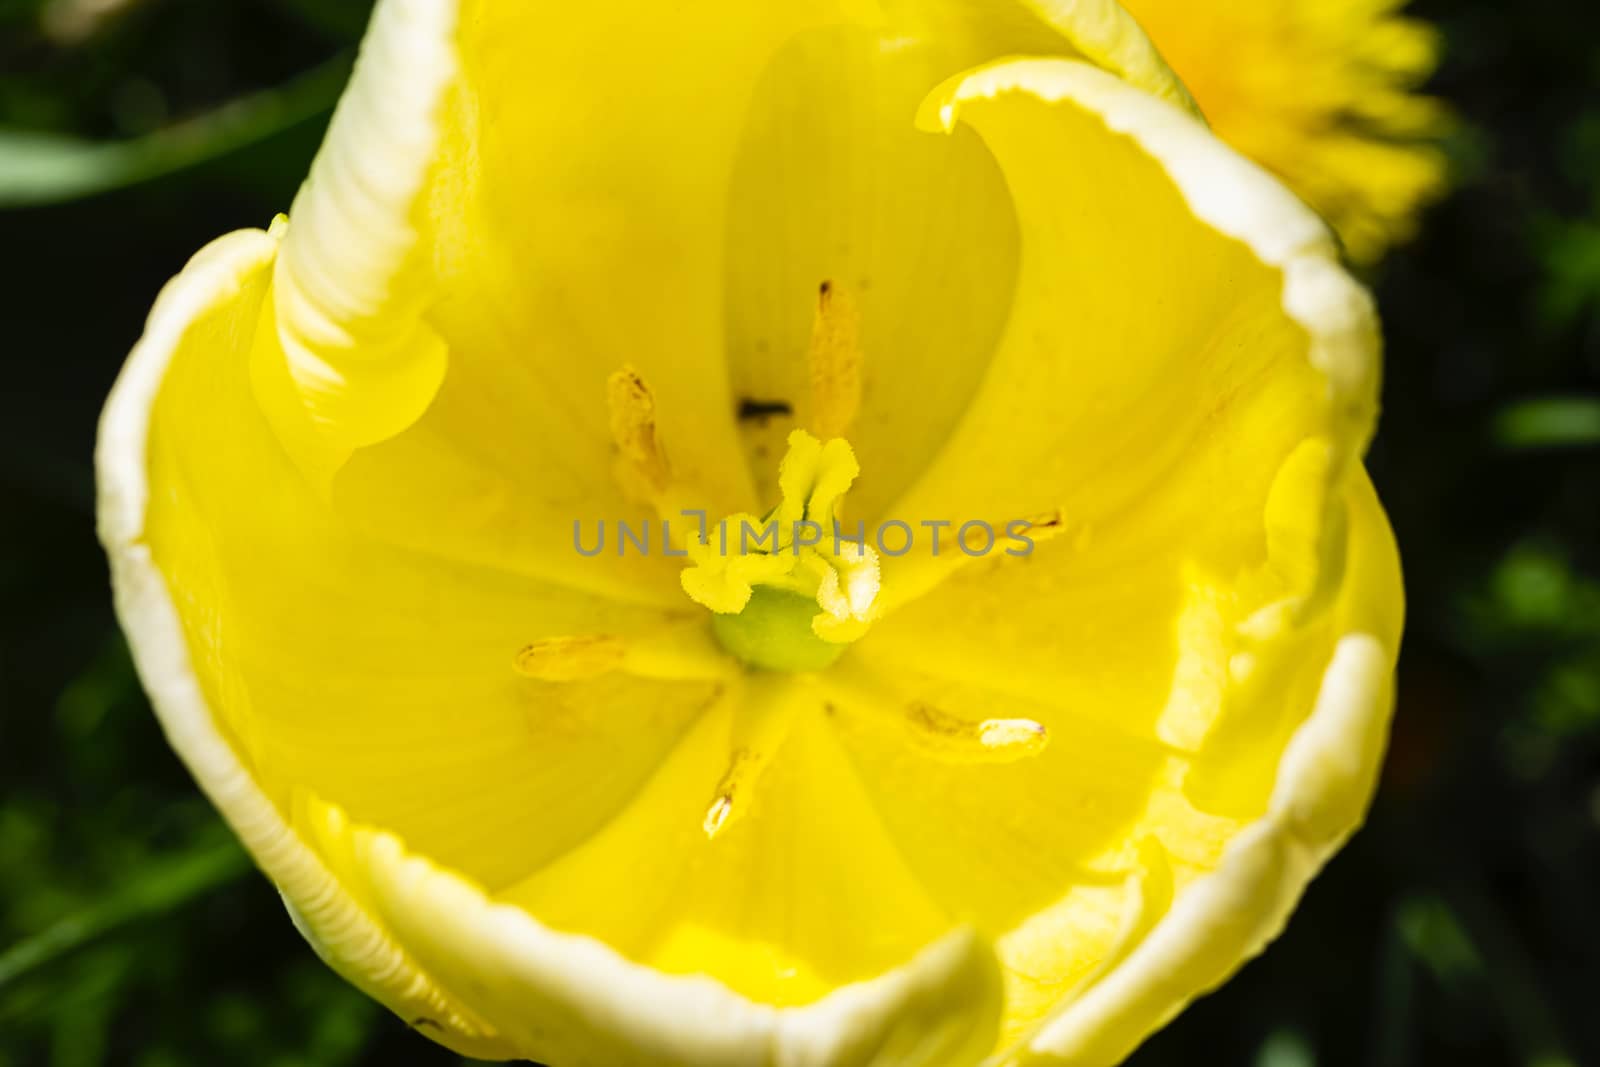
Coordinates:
(40, 168)
(1567, 703)
(1571, 253)
(1534, 587)
(86, 701)
(82, 1019)
(1549, 422)
(20, 11)
(1434, 934)
(1533, 592)
(159, 887)
(1472, 920)
(1286, 1048)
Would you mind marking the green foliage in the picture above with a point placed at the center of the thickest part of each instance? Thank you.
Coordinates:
(42, 168)
(1459, 928)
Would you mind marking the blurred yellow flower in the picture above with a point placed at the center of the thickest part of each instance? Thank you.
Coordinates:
(1323, 94)
(562, 276)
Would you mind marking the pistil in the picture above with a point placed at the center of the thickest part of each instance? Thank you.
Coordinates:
(817, 587)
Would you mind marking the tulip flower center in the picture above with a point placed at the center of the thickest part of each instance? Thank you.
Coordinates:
(789, 590)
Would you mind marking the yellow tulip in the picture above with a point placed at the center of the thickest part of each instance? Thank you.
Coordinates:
(959, 266)
(1323, 94)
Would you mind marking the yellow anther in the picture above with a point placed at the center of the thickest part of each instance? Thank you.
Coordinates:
(1024, 737)
(932, 730)
(957, 740)
(570, 659)
(1048, 525)
(743, 770)
(835, 363)
(633, 429)
(717, 815)
(761, 725)
(680, 651)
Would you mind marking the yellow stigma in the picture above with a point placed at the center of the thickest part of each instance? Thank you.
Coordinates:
(791, 588)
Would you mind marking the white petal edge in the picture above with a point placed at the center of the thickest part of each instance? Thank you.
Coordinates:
(353, 282)
(593, 997)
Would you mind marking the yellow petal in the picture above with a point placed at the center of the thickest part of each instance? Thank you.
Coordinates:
(856, 912)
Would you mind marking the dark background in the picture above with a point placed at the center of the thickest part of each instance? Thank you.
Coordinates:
(1461, 928)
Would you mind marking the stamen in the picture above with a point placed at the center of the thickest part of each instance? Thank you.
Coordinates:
(743, 770)
(1023, 736)
(571, 659)
(683, 651)
(718, 814)
(633, 428)
(965, 741)
(1047, 525)
(762, 721)
(935, 732)
(835, 363)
